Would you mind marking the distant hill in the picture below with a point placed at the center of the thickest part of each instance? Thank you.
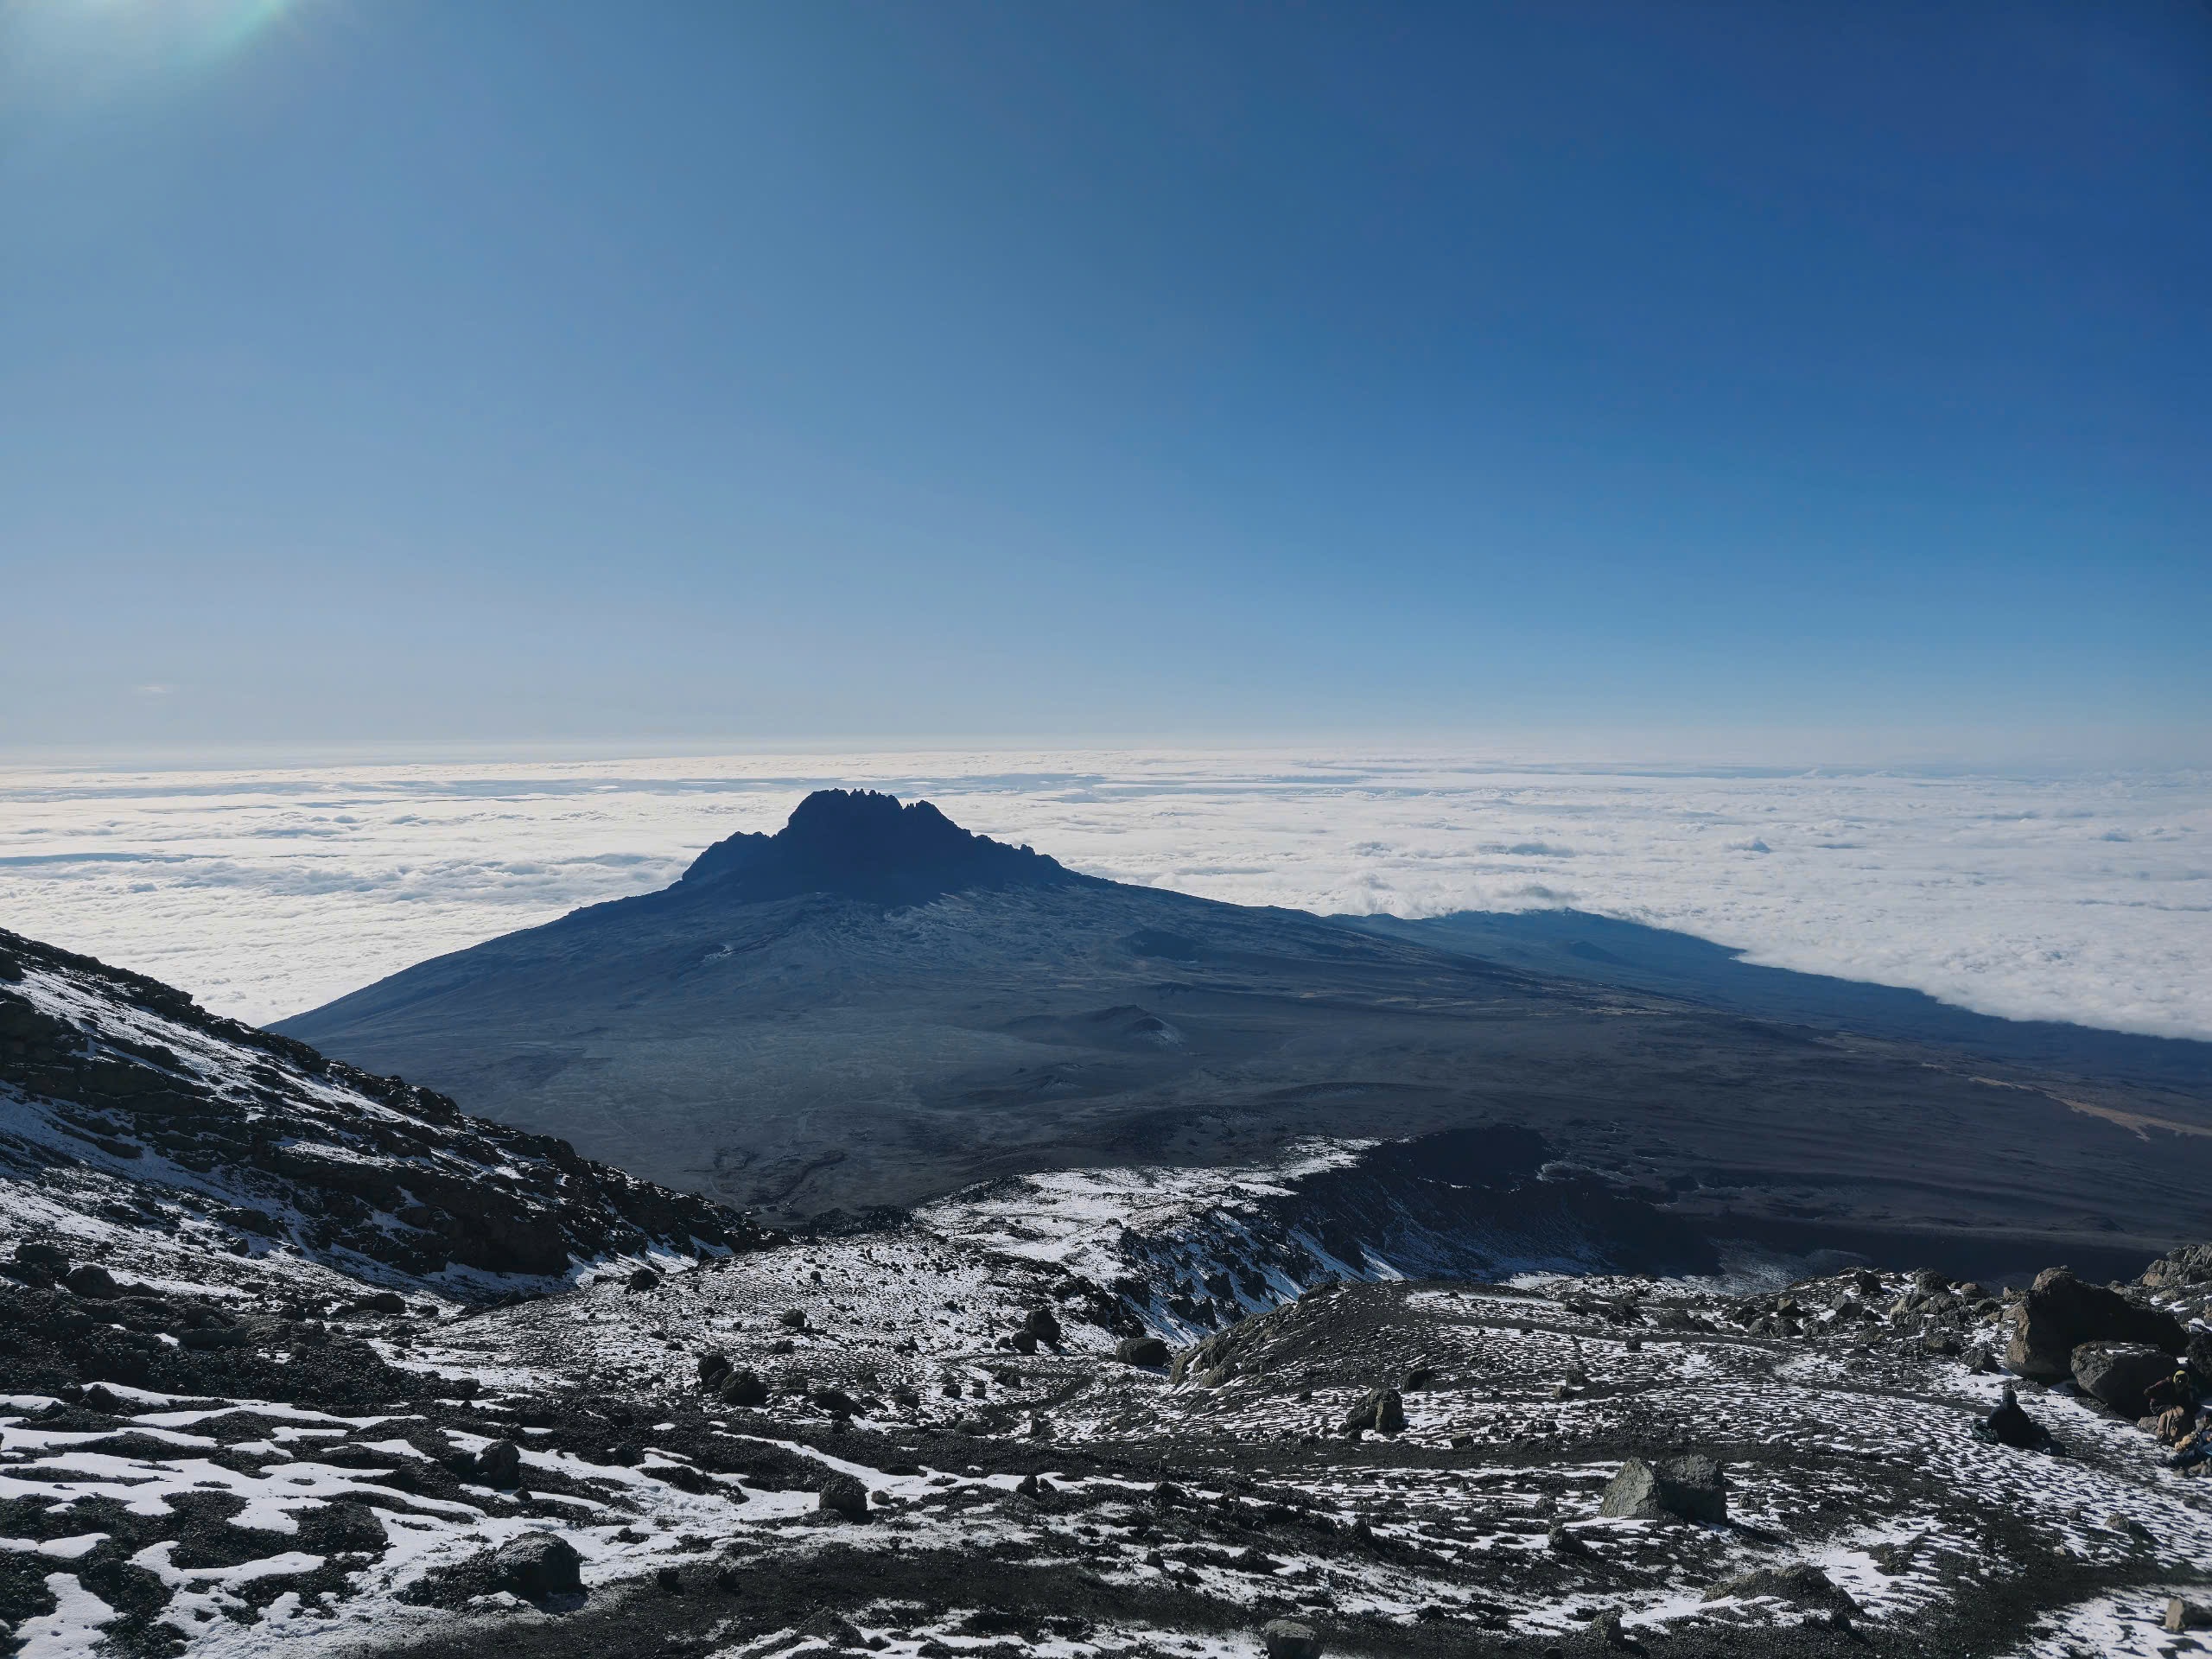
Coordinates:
(875, 1006)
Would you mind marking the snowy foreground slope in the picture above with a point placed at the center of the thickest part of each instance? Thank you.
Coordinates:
(1399, 1390)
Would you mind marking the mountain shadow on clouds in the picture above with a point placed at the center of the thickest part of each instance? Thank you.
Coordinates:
(1575, 944)
(873, 1006)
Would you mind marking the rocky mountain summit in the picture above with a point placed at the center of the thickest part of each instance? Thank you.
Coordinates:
(861, 845)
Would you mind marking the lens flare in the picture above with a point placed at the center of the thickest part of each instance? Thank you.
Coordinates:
(57, 52)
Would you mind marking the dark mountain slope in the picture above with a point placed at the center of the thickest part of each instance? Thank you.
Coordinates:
(838, 1046)
(124, 1106)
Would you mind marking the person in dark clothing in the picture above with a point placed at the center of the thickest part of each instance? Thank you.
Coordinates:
(2010, 1426)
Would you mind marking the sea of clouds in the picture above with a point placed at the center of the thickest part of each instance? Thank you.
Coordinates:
(267, 892)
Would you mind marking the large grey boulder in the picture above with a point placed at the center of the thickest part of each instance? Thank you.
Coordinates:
(2061, 1311)
(2118, 1374)
(1690, 1488)
(538, 1565)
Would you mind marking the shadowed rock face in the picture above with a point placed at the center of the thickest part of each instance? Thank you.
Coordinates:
(873, 1006)
(861, 845)
(119, 1094)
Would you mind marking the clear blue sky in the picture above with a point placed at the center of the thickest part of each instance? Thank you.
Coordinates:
(412, 370)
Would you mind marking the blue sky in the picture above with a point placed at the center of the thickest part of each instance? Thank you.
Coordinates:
(409, 371)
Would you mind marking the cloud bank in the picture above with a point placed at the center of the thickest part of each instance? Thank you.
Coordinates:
(266, 892)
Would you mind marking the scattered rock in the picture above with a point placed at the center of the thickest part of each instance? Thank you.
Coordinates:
(745, 1388)
(499, 1464)
(47, 1258)
(1690, 1488)
(1801, 1584)
(1290, 1638)
(1381, 1409)
(838, 1632)
(843, 1495)
(1044, 1324)
(92, 1282)
(538, 1565)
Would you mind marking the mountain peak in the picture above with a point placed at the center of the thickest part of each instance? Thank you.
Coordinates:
(868, 846)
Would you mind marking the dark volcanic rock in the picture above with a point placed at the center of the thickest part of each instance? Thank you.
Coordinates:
(47, 1258)
(745, 1388)
(2061, 1312)
(1802, 1585)
(258, 1132)
(843, 1495)
(499, 1464)
(538, 1565)
(1290, 1638)
(862, 845)
(1380, 1409)
(92, 1282)
(2120, 1375)
(1690, 1488)
(1142, 1351)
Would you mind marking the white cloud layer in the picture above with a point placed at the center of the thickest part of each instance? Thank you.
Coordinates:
(266, 892)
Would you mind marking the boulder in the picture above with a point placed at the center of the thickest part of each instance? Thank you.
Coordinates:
(1043, 1323)
(538, 1565)
(1691, 1488)
(1802, 1586)
(843, 1495)
(835, 1402)
(2061, 1311)
(824, 1625)
(2118, 1374)
(1381, 1409)
(642, 1279)
(47, 1258)
(382, 1301)
(792, 1319)
(499, 1464)
(714, 1366)
(1290, 1638)
(92, 1282)
(1142, 1351)
(745, 1388)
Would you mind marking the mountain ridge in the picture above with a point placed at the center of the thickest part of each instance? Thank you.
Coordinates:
(815, 1049)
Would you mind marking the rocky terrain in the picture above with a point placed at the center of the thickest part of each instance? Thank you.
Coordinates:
(1437, 1397)
(873, 1006)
